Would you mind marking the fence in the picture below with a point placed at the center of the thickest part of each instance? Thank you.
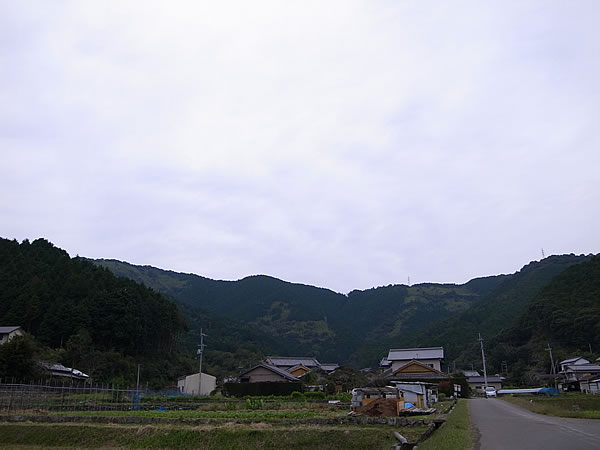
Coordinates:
(51, 396)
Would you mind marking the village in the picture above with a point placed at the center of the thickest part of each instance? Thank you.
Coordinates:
(414, 377)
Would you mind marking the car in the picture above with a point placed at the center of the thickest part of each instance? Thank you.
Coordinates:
(490, 391)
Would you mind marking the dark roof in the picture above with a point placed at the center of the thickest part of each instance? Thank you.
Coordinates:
(273, 369)
(329, 367)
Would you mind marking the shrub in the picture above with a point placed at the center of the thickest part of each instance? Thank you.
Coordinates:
(314, 395)
(297, 395)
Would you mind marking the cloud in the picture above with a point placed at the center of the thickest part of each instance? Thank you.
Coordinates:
(343, 144)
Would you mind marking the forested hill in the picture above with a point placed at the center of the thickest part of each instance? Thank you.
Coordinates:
(85, 317)
(500, 309)
(565, 314)
(357, 328)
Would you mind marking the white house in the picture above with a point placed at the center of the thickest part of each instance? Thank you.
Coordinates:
(191, 383)
(420, 394)
(399, 357)
(7, 333)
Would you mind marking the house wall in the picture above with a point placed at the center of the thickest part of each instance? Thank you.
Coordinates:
(190, 384)
(261, 374)
(7, 337)
(435, 363)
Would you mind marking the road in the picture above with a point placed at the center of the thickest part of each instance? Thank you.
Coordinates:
(500, 425)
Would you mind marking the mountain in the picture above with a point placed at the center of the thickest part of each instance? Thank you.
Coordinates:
(499, 309)
(357, 328)
(99, 323)
(564, 314)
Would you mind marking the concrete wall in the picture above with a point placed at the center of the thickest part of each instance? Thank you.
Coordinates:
(189, 385)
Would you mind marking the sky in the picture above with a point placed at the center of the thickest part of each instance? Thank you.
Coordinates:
(343, 144)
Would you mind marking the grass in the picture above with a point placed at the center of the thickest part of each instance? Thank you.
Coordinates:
(456, 433)
(225, 437)
(577, 405)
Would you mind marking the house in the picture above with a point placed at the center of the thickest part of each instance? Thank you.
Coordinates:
(414, 370)
(394, 397)
(477, 383)
(590, 384)
(298, 370)
(399, 357)
(58, 370)
(191, 385)
(8, 333)
(577, 361)
(265, 372)
(577, 373)
(288, 363)
(422, 395)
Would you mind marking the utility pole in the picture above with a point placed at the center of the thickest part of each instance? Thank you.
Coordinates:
(552, 370)
(200, 351)
(543, 254)
(137, 385)
(483, 359)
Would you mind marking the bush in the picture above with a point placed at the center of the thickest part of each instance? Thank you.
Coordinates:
(314, 395)
(262, 389)
(297, 396)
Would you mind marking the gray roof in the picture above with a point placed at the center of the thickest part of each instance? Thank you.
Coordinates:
(570, 361)
(289, 361)
(584, 367)
(471, 373)
(273, 369)
(491, 379)
(406, 354)
(329, 367)
(6, 330)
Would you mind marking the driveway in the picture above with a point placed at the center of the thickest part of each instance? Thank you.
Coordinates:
(502, 425)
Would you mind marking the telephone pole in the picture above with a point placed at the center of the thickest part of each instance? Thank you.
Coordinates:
(552, 369)
(200, 352)
(483, 359)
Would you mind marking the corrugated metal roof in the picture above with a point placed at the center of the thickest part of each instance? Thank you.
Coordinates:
(406, 354)
(6, 330)
(292, 361)
(570, 361)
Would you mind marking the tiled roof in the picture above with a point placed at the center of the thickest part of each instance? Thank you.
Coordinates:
(406, 354)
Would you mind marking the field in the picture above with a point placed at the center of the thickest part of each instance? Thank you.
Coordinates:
(204, 423)
(575, 405)
(455, 434)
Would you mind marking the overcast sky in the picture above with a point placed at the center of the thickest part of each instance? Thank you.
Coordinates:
(343, 144)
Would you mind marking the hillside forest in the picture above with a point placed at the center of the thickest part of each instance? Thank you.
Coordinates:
(106, 317)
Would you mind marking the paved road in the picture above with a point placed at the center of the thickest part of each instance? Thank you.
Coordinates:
(500, 425)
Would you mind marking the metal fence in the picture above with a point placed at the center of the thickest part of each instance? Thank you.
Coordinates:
(51, 396)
